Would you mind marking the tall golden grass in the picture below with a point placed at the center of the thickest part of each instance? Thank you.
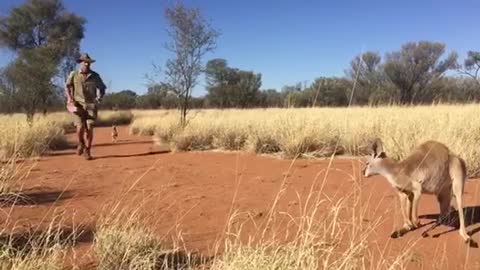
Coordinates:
(326, 232)
(47, 131)
(19, 138)
(319, 132)
(122, 241)
(108, 118)
(37, 248)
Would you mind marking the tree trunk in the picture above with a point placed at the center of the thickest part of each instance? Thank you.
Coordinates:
(406, 96)
(183, 109)
(30, 115)
(183, 116)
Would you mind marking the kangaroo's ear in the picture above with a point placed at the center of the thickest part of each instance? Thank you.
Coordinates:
(377, 149)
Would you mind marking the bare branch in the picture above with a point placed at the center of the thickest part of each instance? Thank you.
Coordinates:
(191, 38)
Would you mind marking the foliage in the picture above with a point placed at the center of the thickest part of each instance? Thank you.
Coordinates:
(191, 38)
(231, 87)
(45, 38)
(471, 66)
(416, 66)
(122, 100)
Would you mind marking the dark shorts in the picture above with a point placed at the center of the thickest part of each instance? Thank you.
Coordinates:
(86, 113)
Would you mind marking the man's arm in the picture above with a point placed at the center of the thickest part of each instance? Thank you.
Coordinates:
(69, 87)
(101, 88)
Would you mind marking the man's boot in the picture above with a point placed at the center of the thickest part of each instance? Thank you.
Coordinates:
(87, 155)
(80, 149)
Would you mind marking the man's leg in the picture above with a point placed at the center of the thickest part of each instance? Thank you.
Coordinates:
(79, 123)
(92, 116)
(89, 140)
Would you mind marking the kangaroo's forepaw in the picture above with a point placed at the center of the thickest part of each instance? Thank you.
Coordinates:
(399, 233)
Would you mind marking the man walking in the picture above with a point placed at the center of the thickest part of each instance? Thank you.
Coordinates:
(84, 90)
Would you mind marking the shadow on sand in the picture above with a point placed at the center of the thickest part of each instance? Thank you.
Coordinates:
(472, 217)
(122, 142)
(21, 243)
(150, 153)
(34, 197)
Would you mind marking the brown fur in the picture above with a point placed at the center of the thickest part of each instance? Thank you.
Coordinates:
(114, 134)
(430, 168)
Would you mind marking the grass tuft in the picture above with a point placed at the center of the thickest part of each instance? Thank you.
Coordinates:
(36, 249)
(123, 242)
(17, 137)
(320, 132)
(109, 118)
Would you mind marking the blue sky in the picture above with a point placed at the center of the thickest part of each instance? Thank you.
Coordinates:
(286, 41)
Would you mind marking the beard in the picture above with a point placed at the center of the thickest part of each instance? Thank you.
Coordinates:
(84, 69)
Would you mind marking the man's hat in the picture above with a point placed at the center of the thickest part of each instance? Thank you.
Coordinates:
(85, 58)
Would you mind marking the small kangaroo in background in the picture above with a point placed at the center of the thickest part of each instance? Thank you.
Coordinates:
(431, 168)
(114, 133)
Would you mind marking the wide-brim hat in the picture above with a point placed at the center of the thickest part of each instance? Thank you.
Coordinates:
(85, 58)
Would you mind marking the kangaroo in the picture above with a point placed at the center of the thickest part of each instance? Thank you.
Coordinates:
(431, 168)
(114, 134)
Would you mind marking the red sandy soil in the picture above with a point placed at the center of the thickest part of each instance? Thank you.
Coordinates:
(191, 193)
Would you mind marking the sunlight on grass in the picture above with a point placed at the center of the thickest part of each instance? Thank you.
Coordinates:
(36, 249)
(123, 242)
(319, 132)
(47, 132)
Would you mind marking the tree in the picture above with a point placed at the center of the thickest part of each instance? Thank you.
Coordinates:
(366, 73)
(328, 92)
(471, 66)
(7, 93)
(31, 73)
(294, 96)
(415, 66)
(217, 72)
(192, 37)
(231, 87)
(125, 99)
(270, 98)
(218, 76)
(45, 38)
(247, 89)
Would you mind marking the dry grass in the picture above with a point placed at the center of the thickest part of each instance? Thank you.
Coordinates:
(36, 249)
(328, 232)
(142, 123)
(11, 173)
(17, 137)
(319, 132)
(123, 241)
(24, 248)
(109, 118)
(46, 133)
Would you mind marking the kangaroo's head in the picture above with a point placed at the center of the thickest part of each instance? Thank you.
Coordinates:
(375, 161)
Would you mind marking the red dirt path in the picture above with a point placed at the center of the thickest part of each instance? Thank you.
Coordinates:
(192, 193)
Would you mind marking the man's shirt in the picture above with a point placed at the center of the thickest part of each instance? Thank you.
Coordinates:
(85, 86)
